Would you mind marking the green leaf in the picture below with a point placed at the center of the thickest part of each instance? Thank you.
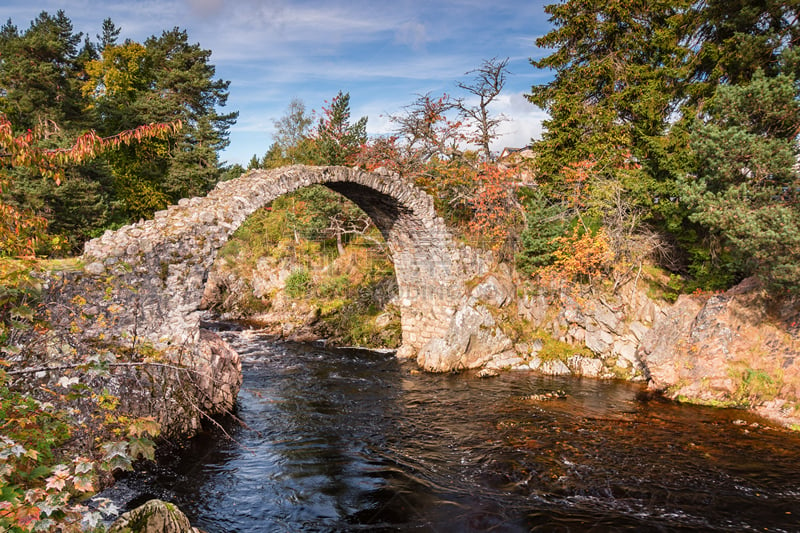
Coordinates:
(142, 447)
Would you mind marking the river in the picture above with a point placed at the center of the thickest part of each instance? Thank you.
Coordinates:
(355, 440)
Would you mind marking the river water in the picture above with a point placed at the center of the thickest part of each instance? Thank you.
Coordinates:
(355, 440)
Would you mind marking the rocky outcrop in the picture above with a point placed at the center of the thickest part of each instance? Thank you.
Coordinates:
(738, 348)
(606, 328)
(155, 516)
(474, 336)
(734, 348)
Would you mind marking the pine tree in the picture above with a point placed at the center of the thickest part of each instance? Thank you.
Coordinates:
(747, 189)
(109, 36)
(336, 141)
(38, 72)
(613, 84)
(163, 80)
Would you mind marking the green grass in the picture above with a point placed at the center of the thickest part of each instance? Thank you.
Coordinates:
(554, 349)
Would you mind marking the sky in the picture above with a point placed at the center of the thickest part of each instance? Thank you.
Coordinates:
(384, 53)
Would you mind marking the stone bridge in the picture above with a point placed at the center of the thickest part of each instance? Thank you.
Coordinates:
(146, 280)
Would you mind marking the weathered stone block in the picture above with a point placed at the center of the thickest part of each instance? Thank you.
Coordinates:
(554, 367)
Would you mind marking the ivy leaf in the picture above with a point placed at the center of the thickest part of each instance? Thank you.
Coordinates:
(106, 506)
(27, 515)
(144, 426)
(83, 465)
(119, 463)
(91, 520)
(114, 449)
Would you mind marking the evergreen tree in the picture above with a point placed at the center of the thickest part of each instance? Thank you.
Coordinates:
(184, 88)
(613, 85)
(545, 222)
(729, 40)
(109, 36)
(747, 186)
(274, 157)
(51, 84)
(610, 106)
(633, 82)
(38, 72)
(164, 80)
(336, 141)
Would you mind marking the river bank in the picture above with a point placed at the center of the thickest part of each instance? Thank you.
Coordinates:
(737, 348)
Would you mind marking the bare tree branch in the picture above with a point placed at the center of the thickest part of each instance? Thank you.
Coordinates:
(489, 80)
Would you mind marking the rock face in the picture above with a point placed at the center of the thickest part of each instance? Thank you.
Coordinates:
(155, 516)
(737, 348)
(224, 377)
(474, 337)
(610, 327)
(731, 348)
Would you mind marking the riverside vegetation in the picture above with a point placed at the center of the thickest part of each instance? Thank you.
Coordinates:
(667, 172)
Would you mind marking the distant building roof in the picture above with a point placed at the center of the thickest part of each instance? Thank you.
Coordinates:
(524, 152)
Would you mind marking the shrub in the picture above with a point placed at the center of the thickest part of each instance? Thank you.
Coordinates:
(298, 282)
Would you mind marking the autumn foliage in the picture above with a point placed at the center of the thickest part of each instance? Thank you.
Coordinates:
(20, 229)
(494, 207)
(581, 256)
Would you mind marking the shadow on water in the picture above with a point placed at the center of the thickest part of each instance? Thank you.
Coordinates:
(354, 440)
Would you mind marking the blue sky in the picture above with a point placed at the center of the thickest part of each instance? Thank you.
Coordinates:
(382, 53)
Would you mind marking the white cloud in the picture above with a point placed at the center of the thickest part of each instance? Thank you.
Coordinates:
(524, 124)
(383, 53)
(412, 33)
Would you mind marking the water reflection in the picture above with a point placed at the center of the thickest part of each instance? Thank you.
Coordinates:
(351, 440)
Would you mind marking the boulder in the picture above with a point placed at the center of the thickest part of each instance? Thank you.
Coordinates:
(555, 367)
(472, 339)
(589, 367)
(155, 516)
(494, 290)
(728, 347)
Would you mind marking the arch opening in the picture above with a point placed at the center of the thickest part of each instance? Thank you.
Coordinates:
(311, 264)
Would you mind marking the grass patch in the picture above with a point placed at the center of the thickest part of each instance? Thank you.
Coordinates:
(298, 283)
(662, 285)
(754, 385)
(721, 404)
(554, 349)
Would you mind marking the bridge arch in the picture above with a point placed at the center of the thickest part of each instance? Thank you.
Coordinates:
(160, 266)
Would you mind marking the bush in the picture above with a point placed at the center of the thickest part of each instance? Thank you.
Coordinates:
(298, 283)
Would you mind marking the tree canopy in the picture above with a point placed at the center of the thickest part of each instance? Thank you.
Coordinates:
(687, 113)
(60, 84)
